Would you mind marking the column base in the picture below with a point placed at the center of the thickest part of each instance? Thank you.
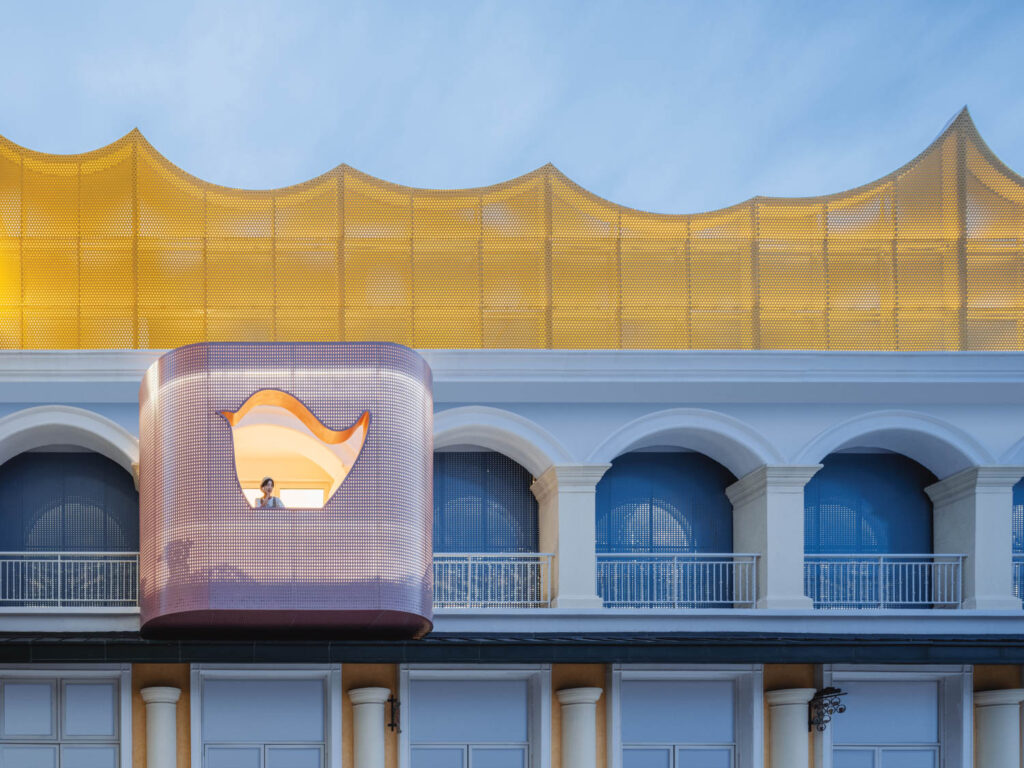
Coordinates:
(993, 603)
(786, 603)
(577, 601)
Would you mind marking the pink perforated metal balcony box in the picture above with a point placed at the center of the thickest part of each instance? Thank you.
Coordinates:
(345, 431)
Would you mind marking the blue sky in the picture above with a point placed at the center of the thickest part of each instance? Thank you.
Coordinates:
(664, 106)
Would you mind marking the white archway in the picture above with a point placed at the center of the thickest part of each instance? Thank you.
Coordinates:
(503, 431)
(732, 443)
(46, 425)
(933, 443)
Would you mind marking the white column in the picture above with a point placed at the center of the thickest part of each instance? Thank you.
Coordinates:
(788, 742)
(161, 726)
(997, 728)
(768, 520)
(973, 512)
(566, 496)
(579, 726)
(368, 726)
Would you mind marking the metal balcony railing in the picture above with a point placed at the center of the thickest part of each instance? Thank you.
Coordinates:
(492, 580)
(69, 579)
(1018, 576)
(677, 580)
(884, 581)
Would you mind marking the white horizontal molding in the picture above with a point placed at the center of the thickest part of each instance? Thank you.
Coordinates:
(537, 375)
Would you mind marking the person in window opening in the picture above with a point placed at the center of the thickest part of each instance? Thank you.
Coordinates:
(268, 499)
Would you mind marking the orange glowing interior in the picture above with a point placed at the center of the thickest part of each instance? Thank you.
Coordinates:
(274, 434)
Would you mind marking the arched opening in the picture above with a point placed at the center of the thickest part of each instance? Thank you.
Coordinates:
(664, 533)
(486, 532)
(69, 530)
(868, 537)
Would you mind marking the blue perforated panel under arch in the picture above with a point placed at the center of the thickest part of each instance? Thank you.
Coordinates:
(1018, 518)
(664, 502)
(868, 503)
(67, 502)
(483, 503)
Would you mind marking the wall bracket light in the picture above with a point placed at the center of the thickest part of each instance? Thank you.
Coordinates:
(394, 714)
(823, 706)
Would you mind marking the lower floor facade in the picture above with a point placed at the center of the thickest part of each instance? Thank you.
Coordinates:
(538, 715)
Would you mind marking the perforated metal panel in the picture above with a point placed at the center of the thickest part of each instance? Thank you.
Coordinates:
(664, 502)
(483, 503)
(119, 248)
(361, 564)
(868, 504)
(67, 502)
(1018, 518)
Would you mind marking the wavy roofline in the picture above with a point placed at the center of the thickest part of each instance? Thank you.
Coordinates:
(960, 121)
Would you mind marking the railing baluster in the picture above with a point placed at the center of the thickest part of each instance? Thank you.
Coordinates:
(486, 580)
(78, 580)
(676, 580)
(884, 581)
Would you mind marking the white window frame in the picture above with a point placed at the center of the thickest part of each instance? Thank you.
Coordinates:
(748, 703)
(538, 702)
(956, 705)
(330, 674)
(120, 672)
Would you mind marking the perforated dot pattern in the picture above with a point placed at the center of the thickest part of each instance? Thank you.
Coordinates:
(361, 564)
(119, 248)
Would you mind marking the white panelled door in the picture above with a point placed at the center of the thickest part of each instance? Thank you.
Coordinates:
(263, 723)
(678, 724)
(59, 723)
(888, 725)
(469, 723)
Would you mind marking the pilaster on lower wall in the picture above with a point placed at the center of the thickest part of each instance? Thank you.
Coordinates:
(778, 677)
(154, 676)
(357, 676)
(566, 676)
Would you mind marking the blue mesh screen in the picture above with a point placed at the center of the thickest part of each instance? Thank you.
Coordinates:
(67, 502)
(868, 503)
(664, 502)
(1018, 518)
(483, 503)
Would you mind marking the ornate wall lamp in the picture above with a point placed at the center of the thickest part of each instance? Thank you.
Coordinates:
(823, 706)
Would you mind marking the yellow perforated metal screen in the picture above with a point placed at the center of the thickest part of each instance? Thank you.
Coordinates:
(120, 248)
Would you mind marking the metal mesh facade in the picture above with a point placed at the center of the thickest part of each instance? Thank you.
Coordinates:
(664, 502)
(208, 560)
(119, 248)
(868, 504)
(67, 502)
(483, 503)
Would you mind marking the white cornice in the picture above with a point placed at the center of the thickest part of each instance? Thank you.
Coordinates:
(667, 376)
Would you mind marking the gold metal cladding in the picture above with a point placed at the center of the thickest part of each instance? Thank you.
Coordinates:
(120, 248)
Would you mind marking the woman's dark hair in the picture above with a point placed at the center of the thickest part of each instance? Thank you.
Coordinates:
(266, 480)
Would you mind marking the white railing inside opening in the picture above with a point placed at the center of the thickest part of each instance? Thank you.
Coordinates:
(69, 579)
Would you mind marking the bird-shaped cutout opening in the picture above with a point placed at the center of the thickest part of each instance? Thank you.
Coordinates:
(275, 435)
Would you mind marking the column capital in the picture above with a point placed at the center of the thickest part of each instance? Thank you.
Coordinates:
(970, 481)
(782, 477)
(161, 694)
(790, 696)
(369, 695)
(1006, 697)
(572, 478)
(579, 695)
